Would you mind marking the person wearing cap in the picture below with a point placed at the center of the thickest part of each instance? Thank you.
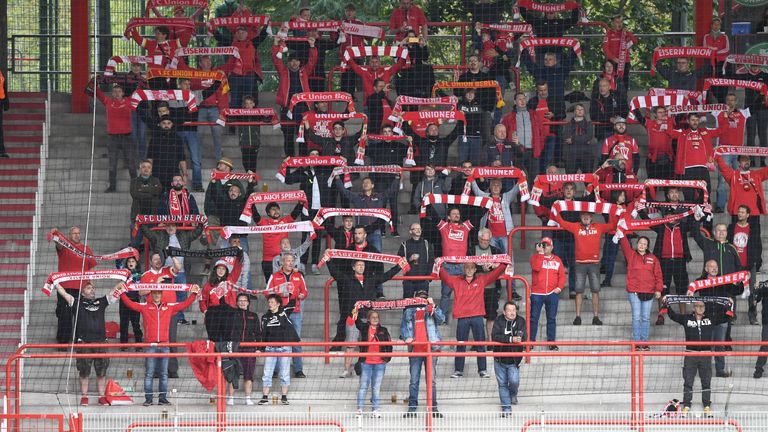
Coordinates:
(547, 281)
(607, 105)
(216, 191)
(620, 144)
(644, 284)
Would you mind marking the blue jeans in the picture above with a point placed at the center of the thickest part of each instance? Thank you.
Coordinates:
(210, 114)
(641, 313)
(446, 293)
(508, 379)
(550, 143)
(415, 364)
(551, 302)
(610, 250)
(464, 325)
(371, 376)
(718, 335)
(139, 135)
(193, 145)
(181, 295)
(501, 243)
(722, 185)
(161, 364)
(271, 362)
(470, 150)
(298, 365)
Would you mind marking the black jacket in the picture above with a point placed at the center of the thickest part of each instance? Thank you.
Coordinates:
(485, 96)
(724, 253)
(246, 326)
(502, 332)
(306, 180)
(382, 335)
(352, 289)
(602, 108)
(375, 104)
(277, 327)
(754, 245)
(474, 115)
(697, 331)
(346, 144)
(683, 81)
(544, 27)
(229, 210)
(433, 150)
(145, 194)
(421, 247)
(487, 13)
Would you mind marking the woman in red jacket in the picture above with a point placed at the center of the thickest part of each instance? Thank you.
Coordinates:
(217, 309)
(644, 283)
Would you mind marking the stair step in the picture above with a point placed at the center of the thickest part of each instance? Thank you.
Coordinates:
(10, 328)
(29, 105)
(23, 138)
(14, 254)
(11, 315)
(11, 303)
(11, 267)
(20, 161)
(18, 183)
(14, 242)
(11, 219)
(27, 95)
(11, 117)
(12, 291)
(17, 196)
(12, 231)
(23, 127)
(10, 341)
(18, 172)
(16, 207)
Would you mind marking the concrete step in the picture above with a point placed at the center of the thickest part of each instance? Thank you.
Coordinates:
(16, 118)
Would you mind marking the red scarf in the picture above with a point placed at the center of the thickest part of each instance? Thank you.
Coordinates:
(628, 225)
(365, 256)
(499, 172)
(308, 161)
(401, 101)
(435, 117)
(237, 21)
(315, 119)
(178, 206)
(572, 43)
(583, 206)
(661, 53)
(476, 259)
(209, 51)
(707, 108)
(166, 219)
(59, 238)
(745, 84)
(109, 70)
(745, 59)
(471, 85)
(739, 150)
(310, 97)
(303, 226)
(390, 304)
(164, 95)
(396, 52)
(262, 197)
(273, 120)
(123, 275)
(327, 212)
(590, 180)
(624, 45)
(642, 200)
(547, 7)
(360, 156)
(516, 28)
(430, 199)
(152, 5)
(729, 279)
(639, 102)
(346, 170)
(227, 176)
(177, 23)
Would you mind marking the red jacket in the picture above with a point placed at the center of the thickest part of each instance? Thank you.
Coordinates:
(285, 78)
(166, 50)
(299, 287)
(659, 142)
(270, 242)
(207, 300)
(643, 271)
(118, 113)
(469, 295)
(612, 43)
(719, 43)
(745, 187)
(734, 123)
(157, 318)
(414, 16)
(694, 147)
(624, 145)
(537, 140)
(587, 238)
(546, 274)
(368, 75)
(68, 261)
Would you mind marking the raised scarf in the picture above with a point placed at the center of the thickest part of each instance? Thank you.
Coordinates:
(583, 206)
(178, 206)
(499, 172)
(649, 102)
(471, 85)
(237, 21)
(430, 199)
(56, 278)
(624, 45)
(742, 150)
(134, 23)
(396, 52)
(433, 117)
(59, 238)
(572, 43)
(112, 63)
(326, 212)
(274, 121)
(726, 302)
(365, 256)
(402, 100)
(745, 59)
(209, 51)
(192, 74)
(476, 259)
(728, 279)
(166, 219)
(203, 253)
(547, 7)
(152, 5)
(164, 95)
(363, 30)
(707, 108)
(303, 226)
(628, 225)
(346, 170)
(311, 97)
(227, 176)
(745, 84)
(265, 197)
(589, 180)
(661, 53)
(308, 161)
(361, 148)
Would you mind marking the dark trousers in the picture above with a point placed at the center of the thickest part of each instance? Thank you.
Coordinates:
(128, 316)
(250, 157)
(696, 173)
(121, 143)
(317, 244)
(661, 169)
(348, 81)
(345, 307)
(266, 267)
(760, 364)
(692, 366)
(674, 269)
(64, 314)
(2, 138)
(757, 126)
(610, 250)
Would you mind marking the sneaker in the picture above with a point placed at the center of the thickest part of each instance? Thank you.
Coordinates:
(184, 322)
(410, 414)
(484, 374)
(359, 413)
(516, 296)
(5, 156)
(231, 401)
(264, 400)
(248, 401)
(457, 374)
(758, 374)
(346, 374)
(110, 189)
(513, 400)
(686, 410)
(284, 400)
(335, 348)
(506, 414)
(724, 374)
(380, 296)
(163, 401)
(707, 411)
(660, 320)
(605, 284)
(577, 320)
(395, 233)
(84, 401)
(375, 414)
(173, 375)
(436, 413)
(148, 402)
(103, 401)
(753, 318)
(596, 321)
(718, 210)
(571, 295)
(315, 270)
(299, 374)
(554, 348)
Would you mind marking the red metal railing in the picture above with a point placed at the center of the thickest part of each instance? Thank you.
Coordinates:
(250, 424)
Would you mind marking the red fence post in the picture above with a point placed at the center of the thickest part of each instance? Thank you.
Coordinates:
(429, 376)
(326, 324)
(80, 17)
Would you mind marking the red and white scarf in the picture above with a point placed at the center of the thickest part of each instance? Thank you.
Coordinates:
(315, 119)
(179, 287)
(164, 95)
(471, 85)
(661, 53)
(477, 260)
(513, 27)
(430, 199)
(152, 5)
(649, 102)
(693, 96)
(237, 21)
(362, 30)
(265, 197)
(624, 45)
(303, 226)
(628, 225)
(301, 24)
(706, 108)
(365, 256)
(169, 219)
(57, 278)
(642, 200)
(353, 52)
(742, 150)
(589, 180)
(745, 59)
(327, 212)
(209, 51)
(109, 70)
(391, 304)
(499, 172)
(583, 206)
(435, 117)
(227, 176)
(59, 238)
(745, 84)
(401, 101)
(346, 170)
(177, 23)
(308, 161)
(311, 97)
(178, 205)
(572, 43)
(363, 145)
(249, 112)
(547, 7)
(728, 279)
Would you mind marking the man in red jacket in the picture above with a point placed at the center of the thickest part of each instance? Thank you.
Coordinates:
(293, 79)
(245, 82)
(408, 17)
(587, 237)
(660, 159)
(734, 120)
(289, 284)
(547, 281)
(746, 187)
(470, 309)
(156, 316)
(621, 144)
(616, 44)
(694, 156)
(374, 71)
(70, 262)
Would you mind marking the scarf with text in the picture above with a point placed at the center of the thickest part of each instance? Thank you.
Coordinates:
(628, 225)
(209, 51)
(430, 199)
(164, 95)
(435, 117)
(589, 180)
(661, 53)
(169, 219)
(177, 23)
(322, 121)
(301, 24)
(283, 290)
(303, 226)
(583, 206)
(365, 256)
(397, 53)
(693, 96)
(269, 113)
(726, 302)
(227, 176)
(513, 27)
(191, 74)
(745, 60)
(649, 102)
(547, 7)
(179, 287)
(742, 150)
(178, 203)
(390, 304)
(499, 172)
(624, 45)
(152, 5)
(745, 84)
(266, 197)
(311, 97)
(408, 161)
(642, 201)
(327, 212)
(59, 238)
(203, 253)
(402, 100)
(572, 43)
(123, 275)
(347, 170)
(471, 85)
(109, 70)
(674, 110)
(309, 161)
(232, 22)
(362, 30)
(741, 277)
(477, 260)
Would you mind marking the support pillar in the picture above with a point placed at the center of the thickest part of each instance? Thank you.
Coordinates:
(80, 20)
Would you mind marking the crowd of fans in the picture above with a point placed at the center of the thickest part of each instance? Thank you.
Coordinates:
(537, 137)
